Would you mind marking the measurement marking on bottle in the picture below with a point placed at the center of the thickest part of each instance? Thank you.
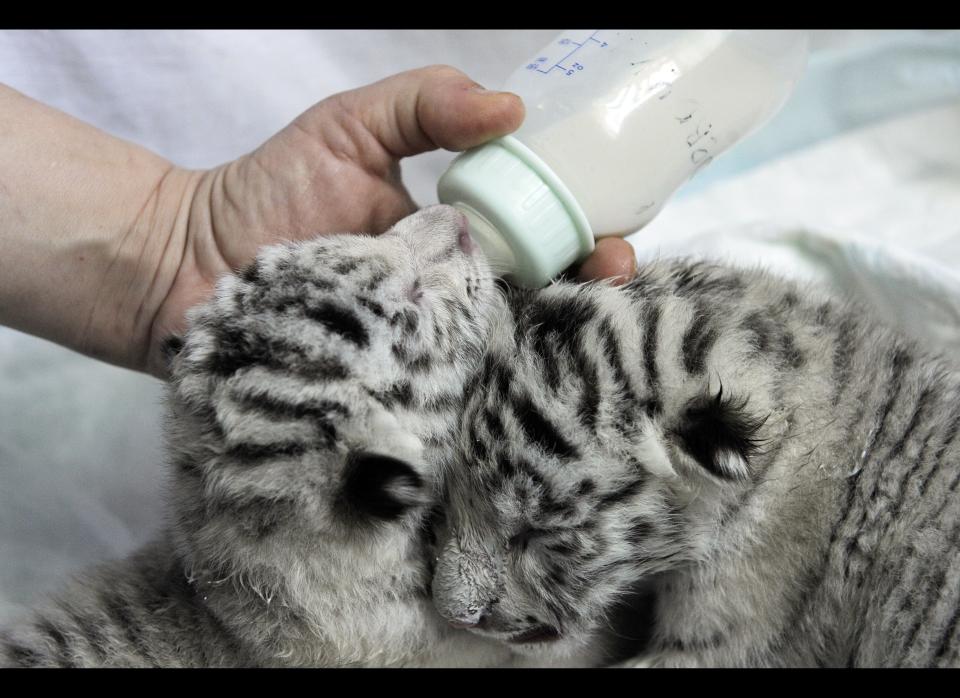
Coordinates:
(537, 66)
(700, 156)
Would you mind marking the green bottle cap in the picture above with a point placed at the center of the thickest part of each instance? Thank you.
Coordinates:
(521, 215)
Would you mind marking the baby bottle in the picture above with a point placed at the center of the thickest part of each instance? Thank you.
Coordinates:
(616, 122)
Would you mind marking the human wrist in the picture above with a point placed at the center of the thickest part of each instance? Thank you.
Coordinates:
(84, 220)
(187, 265)
(147, 266)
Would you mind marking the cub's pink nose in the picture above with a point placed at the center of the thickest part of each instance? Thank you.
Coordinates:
(464, 240)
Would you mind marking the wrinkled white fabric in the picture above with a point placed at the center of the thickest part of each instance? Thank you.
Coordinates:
(874, 213)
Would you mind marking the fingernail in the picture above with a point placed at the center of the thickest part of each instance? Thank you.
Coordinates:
(627, 276)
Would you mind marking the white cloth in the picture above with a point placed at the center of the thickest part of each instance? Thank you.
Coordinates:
(874, 211)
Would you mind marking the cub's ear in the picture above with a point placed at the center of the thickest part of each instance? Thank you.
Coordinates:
(720, 435)
(171, 346)
(381, 487)
(170, 349)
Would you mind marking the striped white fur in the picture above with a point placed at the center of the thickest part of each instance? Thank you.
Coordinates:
(707, 467)
(311, 406)
(775, 468)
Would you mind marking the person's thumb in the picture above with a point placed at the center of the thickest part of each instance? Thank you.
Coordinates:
(428, 108)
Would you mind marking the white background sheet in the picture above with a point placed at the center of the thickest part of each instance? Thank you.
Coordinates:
(855, 184)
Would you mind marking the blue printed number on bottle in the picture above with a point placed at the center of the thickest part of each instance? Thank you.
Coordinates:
(538, 64)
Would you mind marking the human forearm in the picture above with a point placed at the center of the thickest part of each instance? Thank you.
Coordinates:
(89, 230)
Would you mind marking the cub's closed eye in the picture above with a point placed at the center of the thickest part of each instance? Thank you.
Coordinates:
(415, 294)
(525, 535)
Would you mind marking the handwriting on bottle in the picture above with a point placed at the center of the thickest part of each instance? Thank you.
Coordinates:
(699, 139)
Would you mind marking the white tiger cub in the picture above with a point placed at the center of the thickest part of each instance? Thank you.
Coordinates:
(310, 405)
(778, 469)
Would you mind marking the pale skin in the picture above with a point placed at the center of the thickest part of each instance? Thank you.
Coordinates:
(104, 245)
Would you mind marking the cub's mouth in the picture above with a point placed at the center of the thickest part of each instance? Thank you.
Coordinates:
(538, 633)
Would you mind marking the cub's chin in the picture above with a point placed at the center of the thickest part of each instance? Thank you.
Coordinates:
(542, 646)
(625, 634)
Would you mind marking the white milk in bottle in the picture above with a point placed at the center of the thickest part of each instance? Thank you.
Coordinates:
(616, 122)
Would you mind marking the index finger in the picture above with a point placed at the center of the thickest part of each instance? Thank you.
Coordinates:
(613, 259)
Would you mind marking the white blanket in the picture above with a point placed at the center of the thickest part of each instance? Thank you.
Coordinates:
(874, 213)
(855, 184)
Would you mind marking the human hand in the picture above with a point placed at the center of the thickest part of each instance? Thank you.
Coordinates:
(336, 169)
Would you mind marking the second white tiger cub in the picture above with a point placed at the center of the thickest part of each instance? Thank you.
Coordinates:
(778, 468)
